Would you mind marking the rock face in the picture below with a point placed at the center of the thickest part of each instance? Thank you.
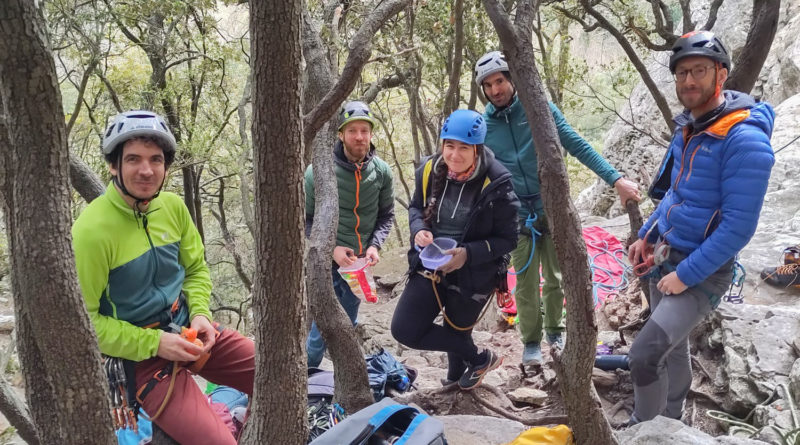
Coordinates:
(756, 357)
(664, 431)
(779, 224)
(636, 142)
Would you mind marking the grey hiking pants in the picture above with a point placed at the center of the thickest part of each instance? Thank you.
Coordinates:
(661, 369)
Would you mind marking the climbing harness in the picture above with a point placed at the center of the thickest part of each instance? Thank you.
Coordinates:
(436, 279)
(535, 234)
(741, 426)
(734, 294)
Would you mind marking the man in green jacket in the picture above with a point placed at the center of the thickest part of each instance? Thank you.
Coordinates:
(143, 276)
(366, 207)
(510, 138)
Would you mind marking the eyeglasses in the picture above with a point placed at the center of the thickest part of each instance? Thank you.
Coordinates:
(698, 73)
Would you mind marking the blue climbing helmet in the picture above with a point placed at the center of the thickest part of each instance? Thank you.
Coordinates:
(467, 126)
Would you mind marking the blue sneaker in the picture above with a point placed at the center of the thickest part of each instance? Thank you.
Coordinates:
(555, 339)
(532, 356)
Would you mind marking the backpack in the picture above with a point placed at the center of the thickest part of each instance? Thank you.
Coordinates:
(384, 370)
(385, 422)
(321, 412)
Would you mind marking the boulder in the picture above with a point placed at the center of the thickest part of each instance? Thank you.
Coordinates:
(665, 431)
(528, 396)
(484, 430)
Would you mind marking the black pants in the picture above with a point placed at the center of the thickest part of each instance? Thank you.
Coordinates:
(413, 322)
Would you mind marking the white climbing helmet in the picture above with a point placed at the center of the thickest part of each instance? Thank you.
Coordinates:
(490, 63)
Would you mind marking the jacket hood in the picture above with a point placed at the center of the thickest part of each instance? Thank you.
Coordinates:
(734, 101)
(340, 159)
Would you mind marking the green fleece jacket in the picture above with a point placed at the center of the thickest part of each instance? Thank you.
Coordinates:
(366, 200)
(132, 267)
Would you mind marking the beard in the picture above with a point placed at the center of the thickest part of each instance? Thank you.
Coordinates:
(695, 96)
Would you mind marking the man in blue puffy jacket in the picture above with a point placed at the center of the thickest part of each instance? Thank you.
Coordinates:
(712, 180)
(510, 138)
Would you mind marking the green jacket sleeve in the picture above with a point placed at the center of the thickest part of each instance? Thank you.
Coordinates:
(115, 337)
(578, 147)
(197, 283)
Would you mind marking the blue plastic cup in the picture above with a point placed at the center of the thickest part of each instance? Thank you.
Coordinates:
(432, 257)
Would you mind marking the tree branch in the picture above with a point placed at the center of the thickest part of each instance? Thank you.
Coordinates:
(762, 31)
(360, 49)
(714, 9)
(661, 102)
(390, 81)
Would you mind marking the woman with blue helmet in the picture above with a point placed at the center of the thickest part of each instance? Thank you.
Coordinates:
(464, 194)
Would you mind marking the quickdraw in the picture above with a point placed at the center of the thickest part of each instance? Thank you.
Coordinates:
(734, 294)
(123, 411)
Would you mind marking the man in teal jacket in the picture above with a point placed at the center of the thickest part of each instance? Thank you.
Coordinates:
(509, 136)
(143, 276)
(366, 208)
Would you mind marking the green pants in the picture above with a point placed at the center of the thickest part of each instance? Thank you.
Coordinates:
(527, 291)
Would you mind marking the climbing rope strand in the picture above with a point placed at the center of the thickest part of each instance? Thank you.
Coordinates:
(616, 286)
(534, 235)
(736, 425)
(790, 143)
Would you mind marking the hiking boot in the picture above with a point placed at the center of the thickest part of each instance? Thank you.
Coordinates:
(475, 374)
(556, 340)
(782, 276)
(532, 356)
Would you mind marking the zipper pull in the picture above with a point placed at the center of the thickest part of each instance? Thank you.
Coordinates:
(144, 222)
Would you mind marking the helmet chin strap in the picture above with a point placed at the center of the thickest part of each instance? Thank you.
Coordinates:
(717, 86)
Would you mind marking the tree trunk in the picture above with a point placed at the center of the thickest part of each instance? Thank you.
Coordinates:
(14, 409)
(574, 366)
(351, 385)
(278, 409)
(352, 388)
(54, 328)
(763, 26)
(453, 95)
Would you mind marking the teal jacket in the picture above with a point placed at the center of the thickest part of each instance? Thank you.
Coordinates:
(509, 136)
(132, 268)
(366, 200)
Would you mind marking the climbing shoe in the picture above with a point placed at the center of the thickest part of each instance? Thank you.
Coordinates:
(791, 255)
(476, 373)
(556, 339)
(532, 355)
(782, 276)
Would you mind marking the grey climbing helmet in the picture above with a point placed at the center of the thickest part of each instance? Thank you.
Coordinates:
(355, 111)
(138, 123)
